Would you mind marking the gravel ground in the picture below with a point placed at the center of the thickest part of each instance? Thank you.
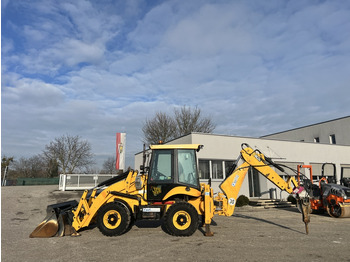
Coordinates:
(251, 234)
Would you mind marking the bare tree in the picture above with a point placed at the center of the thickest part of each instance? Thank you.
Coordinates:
(52, 168)
(109, 166)
(165, 128)
(6, 161)
(160, 128)
(70, 152)
(190, 120)
(31, 167)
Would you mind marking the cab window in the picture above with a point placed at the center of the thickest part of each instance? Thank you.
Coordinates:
(161, 171)
(187, 167)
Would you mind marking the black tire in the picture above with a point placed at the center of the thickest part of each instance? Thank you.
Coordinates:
(113, 219)
(181, 219)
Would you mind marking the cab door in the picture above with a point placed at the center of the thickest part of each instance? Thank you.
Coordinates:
(161, 175)
(187, 168)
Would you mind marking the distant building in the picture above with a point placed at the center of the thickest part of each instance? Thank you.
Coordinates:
(336, 132)
(220, 152)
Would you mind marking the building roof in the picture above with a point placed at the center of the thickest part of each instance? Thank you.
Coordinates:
(320, 123)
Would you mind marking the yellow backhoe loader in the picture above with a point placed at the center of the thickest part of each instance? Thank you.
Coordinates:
(169, 189)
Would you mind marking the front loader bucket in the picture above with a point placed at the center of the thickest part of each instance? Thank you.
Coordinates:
(58, 221)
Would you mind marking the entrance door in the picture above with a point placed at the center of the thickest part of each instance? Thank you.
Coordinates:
(254, 183)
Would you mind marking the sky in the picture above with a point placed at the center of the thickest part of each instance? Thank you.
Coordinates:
(95, 68)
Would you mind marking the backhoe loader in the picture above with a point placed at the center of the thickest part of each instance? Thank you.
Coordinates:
(168, 190)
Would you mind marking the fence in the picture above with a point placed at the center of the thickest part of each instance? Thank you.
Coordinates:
(81, 181)
(32, 181)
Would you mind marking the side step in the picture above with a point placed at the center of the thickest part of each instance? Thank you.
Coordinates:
(270, 203)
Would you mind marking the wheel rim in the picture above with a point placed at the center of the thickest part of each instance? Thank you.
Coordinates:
(182, 220)
(111, 219)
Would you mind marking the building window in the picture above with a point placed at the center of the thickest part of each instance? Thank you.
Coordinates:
(217, 170)
(204, 169)
(332, 139)
(317, 140)
(228, 166)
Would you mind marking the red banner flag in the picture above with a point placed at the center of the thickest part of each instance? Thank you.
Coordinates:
(120, 148)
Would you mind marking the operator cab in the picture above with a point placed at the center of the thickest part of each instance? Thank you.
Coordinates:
(172, 166)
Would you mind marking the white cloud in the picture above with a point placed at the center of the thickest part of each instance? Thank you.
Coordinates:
(212, 30)
(84, 68)
(30, 92)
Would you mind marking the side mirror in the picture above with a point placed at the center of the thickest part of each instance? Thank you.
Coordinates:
(138, 183)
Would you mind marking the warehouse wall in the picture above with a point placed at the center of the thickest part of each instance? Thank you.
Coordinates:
(340, 128)
(227, 148)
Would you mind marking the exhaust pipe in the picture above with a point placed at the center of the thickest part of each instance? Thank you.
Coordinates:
(58, 221)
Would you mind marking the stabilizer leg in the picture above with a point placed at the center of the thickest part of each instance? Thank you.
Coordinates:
(208, 232)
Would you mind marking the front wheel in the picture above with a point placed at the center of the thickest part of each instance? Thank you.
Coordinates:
(181, 219)
(113, 219)
(334, 210)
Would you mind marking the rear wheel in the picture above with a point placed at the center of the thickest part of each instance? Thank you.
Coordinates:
(181, 219)
(113, 219)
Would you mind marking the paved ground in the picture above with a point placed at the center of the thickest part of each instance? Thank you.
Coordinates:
(249, 235)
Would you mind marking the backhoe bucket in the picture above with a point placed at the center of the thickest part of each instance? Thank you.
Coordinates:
(58, 221)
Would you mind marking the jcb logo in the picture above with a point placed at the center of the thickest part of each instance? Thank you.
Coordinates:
(156, 190)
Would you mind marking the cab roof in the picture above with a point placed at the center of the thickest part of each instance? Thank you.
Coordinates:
(178, 146)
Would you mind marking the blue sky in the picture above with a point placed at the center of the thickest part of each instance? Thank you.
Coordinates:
(94, 68)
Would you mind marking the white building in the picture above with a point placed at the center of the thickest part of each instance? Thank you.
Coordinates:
(335, 131)
(220, 151)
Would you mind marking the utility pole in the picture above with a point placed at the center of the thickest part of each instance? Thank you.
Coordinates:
(4, 178)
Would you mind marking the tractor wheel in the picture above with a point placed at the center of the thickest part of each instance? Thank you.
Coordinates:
(113, 219)
(181, 219)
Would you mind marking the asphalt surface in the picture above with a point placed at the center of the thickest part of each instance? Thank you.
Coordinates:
(251, 234)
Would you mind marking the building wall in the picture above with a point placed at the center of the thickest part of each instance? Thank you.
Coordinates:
(338, 127)
(228, 147)
(222, 147)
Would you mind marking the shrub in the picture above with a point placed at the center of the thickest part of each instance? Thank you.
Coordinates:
(242, 200)
(291, 199)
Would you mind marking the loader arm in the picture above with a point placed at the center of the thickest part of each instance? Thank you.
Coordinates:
(232, 184)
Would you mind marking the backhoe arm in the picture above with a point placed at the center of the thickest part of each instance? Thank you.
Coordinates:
(232, 184)
(261, 163)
